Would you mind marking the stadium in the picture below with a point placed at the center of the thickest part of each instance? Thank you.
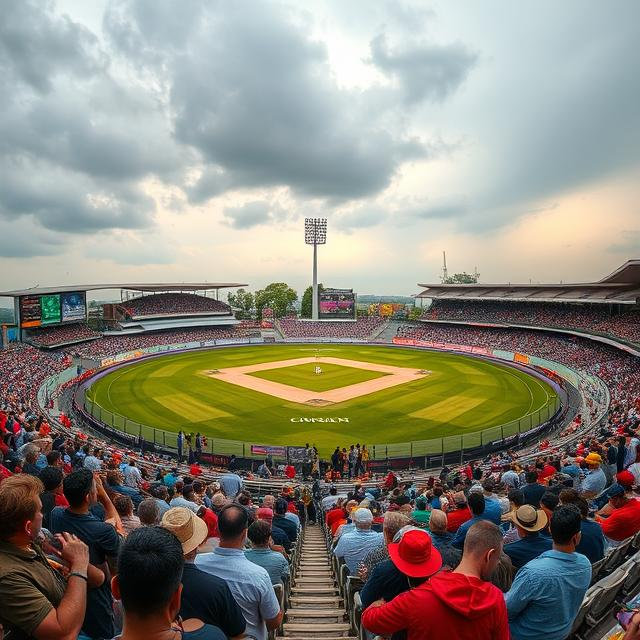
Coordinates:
(488, 375)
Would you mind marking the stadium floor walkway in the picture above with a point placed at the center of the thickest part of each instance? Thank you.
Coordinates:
(315, 606)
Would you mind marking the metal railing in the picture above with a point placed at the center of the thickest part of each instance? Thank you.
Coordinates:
(432, 447)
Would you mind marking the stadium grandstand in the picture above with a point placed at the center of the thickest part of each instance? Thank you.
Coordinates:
(327, 540)
(608, 308)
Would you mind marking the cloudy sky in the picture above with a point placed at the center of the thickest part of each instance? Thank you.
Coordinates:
(149, 140)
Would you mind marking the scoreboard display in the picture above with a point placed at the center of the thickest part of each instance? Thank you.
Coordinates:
(56, 308)
(337, 304)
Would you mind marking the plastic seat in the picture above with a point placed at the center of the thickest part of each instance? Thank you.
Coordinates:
(608, 590)
(580, 624)
(619, 553)
(596, 569)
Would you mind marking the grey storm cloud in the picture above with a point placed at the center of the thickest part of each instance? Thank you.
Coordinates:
(253, 214)
(255, 96)
(425, 71)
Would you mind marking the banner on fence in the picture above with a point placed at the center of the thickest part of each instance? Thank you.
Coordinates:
(265, 450)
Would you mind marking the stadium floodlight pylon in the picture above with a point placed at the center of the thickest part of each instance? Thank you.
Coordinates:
(315, 233)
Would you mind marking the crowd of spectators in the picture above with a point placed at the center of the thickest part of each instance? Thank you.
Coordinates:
(596, 318)
(171, 304)
(360, 329)
(111, 345)
(62, 334)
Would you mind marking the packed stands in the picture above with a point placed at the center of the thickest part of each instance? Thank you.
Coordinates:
(62, 334)
(360, 329)
(171, 304)
(596, 318)
(110, 345)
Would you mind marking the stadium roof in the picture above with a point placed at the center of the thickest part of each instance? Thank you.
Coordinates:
(155, 287)
(622, 287)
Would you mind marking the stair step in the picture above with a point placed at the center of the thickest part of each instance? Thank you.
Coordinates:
(314, 601)
(321, 630)
(308, 590)
(319, 615)
(315, 565)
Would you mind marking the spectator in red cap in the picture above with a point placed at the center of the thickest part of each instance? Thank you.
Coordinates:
(624, 520)
(458, 604)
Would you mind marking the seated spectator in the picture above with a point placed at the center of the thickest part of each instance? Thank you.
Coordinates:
(204, 596)
(548, 502)
(279, 537)
(595, 481)
(461, 513)
(458, 604)
(392, 523)
(149, 512)
(477, 506)
(529, 522)
(624, 520)
(31, 455)
(328, 502)
(124, 507)
(114, 483)
(421, 514)
(281, 521)
(510, 478)
(592, 543)
(440, 537)
(494, 505)
(353, 546)
(547, 592)
(516, 500)
(37, 602)
(179, 499)
(161, 495)
(532, 491)
(132, 475)
(231, 484)
(250, 584)
(150, 567)
(413, 559)
(275, 563)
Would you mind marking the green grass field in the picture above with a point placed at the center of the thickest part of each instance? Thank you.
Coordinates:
(461, 396)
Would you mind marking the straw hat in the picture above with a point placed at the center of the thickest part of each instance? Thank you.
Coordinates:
(529, 518)
(185, 525)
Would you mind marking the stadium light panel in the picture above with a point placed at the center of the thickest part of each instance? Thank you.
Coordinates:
(315, 230)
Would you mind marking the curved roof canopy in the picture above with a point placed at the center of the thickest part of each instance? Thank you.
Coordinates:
(621, 287)
(149, 287)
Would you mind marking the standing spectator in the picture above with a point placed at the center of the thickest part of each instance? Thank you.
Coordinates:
(259, 533)
(458, 604)
(36, 601)
(529, 522)
(250, 584)
(198, 447)
(353, 546)
(231, 484)
(204, 596)
(82, 491)
(180, 445)
(547, 592)
(150, 569)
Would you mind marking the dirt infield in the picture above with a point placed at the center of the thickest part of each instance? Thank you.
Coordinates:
(239, 376)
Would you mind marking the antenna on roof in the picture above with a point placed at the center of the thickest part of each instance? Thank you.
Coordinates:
(445, 273)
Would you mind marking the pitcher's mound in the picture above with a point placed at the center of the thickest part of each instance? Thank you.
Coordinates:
(318, 402)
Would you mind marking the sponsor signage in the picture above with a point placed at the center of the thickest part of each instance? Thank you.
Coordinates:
(319, 419)
(265, 450)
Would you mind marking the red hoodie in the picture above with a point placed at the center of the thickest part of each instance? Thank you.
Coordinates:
(450, 605)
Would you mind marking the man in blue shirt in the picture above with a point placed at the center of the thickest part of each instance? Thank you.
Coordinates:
(353, 546)
(595, 481)
(592, 542)
(547, 592)
(532, 490)
(529, 522)
(477, 505)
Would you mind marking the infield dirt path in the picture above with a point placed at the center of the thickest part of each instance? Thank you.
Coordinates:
(239, 376)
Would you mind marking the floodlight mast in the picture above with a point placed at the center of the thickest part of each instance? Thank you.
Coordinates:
(315, 233)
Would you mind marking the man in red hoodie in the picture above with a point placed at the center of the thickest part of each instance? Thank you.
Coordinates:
(458, 604)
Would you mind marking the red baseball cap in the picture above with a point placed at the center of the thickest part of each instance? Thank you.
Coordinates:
(414, 555)
(625, 478)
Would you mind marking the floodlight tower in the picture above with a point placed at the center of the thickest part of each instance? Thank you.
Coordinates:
(315, 233)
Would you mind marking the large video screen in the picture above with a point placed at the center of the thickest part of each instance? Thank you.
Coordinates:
(36, 311)
(337, 304)
(74, 306)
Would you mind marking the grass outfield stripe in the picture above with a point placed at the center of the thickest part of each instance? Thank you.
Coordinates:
(144, 392)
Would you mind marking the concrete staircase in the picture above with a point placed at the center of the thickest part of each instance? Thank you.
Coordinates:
(316, 610)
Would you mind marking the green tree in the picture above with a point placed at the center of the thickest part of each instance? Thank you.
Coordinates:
(462, 278)
(307, 301)
(242, 302)
(415, 313)
(279, 296)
